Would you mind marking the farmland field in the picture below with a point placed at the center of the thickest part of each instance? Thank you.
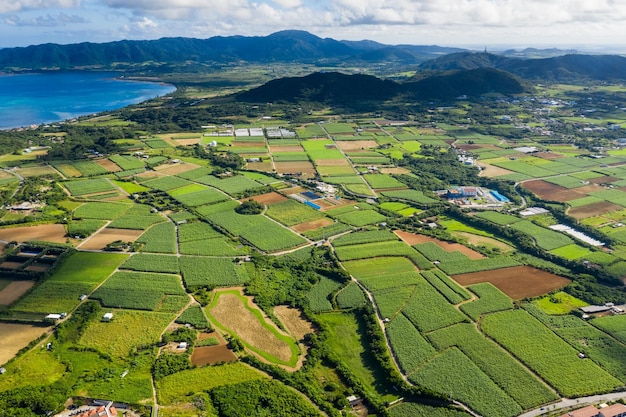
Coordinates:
(200, 271)
(15, 337)
(547, 354)
(291, 212)
(83, 187)
(45, 232)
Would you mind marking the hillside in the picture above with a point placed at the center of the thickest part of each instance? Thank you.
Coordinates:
(340, 88)
(560, 68)
(284, 46)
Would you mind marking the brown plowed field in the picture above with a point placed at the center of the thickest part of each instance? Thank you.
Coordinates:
(467, 147)
(108, 165)
(11, 265)
(16, 337)
(287, 148)
(14, 291)
(268, 198)
(304, 167)
(261, 166)
(106, 236)
(412, 239)
(602, 180)
(294, 321)
(493, 171)
(37, 268)
(548, 155)
(517, 282)
(312, 225)
(355, 145)
(395, 171)
(173, 169)
(210, 355)
(594, 209)
(46, 232)
(231, 313)
(332, 162)
(548, 191)
(187, 142)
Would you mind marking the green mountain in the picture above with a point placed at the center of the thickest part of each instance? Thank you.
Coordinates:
(559, 68)
(334, 87)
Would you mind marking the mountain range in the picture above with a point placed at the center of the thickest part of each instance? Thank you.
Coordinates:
(284, 46)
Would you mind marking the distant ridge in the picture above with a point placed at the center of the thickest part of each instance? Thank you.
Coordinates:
(560, 68)
(338, 88)
(284, 46)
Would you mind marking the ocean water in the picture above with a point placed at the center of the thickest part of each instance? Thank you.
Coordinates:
(27, 99)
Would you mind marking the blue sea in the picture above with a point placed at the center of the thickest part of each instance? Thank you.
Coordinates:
(29, 99)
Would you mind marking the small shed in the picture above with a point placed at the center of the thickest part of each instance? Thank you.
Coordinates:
(107, 317)
(2, 371)
(182, 345)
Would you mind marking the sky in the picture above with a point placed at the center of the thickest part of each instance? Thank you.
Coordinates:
(583, 24)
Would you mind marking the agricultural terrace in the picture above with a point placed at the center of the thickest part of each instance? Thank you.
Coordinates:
(240, 317)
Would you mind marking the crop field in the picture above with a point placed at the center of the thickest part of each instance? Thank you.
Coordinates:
(183, 386)
(461, 266)
(498, 218)
(258, 230)
(127, 162)
(409, 409)
(409, 346)
(141, 291)
(361, 218)
(237, 315)
(517, 282)
(127, 330)
(80, 188)
(373, 250)
(84, 227)
(79, 274)
(195, 316)
(219, 246)
(547, 354)
(200, 198)
(187, 189)
(231, 185)
(553, 192)
(453, 372)
(188, 232)
(434, 252)
(571, 251)
(166, 183)
(292, 212)
(322, 149)
(100, 210)
(146, 262)
(199, 271)
(453, 292)
(107, 235)
(138, 216)
(613, 325)
(412, 196)
(351, 296)
(545, 238)
(496, 363)
(371, 236)
(319, 295)
(160, 238)
(490, 300)
(380, 181)
(326, 231)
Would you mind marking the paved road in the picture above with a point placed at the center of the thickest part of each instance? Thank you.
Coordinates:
(577, 402)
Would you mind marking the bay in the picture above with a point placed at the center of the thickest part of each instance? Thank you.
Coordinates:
(38, 98)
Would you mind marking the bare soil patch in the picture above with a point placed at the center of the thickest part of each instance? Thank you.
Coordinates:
(468, 147)
(14, 291)
(332, 162)
(412, 239)
(477, 240)
(187, 142)
(36, 171)
(210, 355)
(354, 145)
(231, 313)
(304, 167)
(493, 171)
(268, 198)
(325, 204)
(548, 155)
(37, 267)
(294, 322)
(11, 265)
(312, 225)
(602, 180)
(517, 282)
(591, 210)
(46, 232)
(106, 236)
(17, 336)
(260, 145)
(108, 165)
(261, 166)
(150, 175)
(548, 191)
(287, 148)
(173, 169)
(395, 171)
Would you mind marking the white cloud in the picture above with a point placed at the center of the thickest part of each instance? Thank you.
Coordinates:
(48, 20)
(289, 4)
(13, 6)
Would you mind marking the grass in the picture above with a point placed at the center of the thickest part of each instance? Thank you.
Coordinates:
(346, 338)
(559, 303)
(127, 330)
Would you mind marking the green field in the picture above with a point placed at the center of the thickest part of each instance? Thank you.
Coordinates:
(291, 212)
(200, 271)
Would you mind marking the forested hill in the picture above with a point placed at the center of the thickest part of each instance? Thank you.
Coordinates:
(560, 68)
(334, 87)
(284, 46)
